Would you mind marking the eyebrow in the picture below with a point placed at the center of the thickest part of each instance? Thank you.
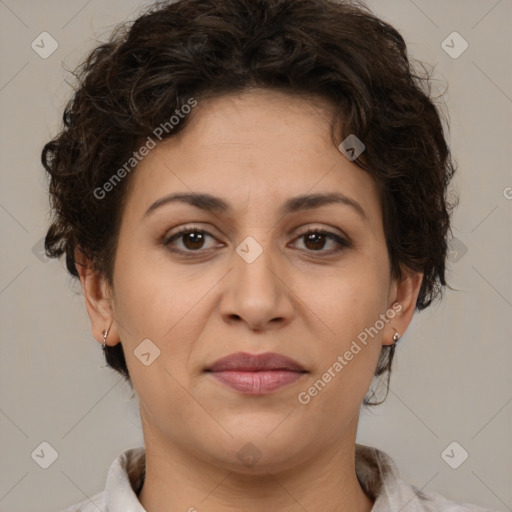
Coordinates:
(210, 203)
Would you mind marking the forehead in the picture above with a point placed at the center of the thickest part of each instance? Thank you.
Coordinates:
(256, 148)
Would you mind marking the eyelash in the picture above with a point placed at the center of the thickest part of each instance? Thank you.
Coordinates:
(342, 242)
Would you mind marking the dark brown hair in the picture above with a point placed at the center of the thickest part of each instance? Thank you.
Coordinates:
(335, 50)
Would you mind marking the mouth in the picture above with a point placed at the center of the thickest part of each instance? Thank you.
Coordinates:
(256, 374)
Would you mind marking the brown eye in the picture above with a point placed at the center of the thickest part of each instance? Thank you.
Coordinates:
(192, 240)
(315, 240)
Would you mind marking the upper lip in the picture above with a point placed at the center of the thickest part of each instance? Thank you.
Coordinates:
(243, 361)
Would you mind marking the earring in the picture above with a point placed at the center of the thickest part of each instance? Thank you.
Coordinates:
(396, 337)
(105, 333)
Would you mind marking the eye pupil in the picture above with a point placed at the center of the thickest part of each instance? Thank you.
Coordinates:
(315, 238)
(196, 237)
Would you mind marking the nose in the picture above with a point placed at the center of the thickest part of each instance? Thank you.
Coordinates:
(257, 291)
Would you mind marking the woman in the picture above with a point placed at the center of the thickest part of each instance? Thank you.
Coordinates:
(253, 196)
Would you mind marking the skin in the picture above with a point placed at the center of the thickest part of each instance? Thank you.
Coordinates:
(299, 298)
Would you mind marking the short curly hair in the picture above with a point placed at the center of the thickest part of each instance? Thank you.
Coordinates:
(335, 50)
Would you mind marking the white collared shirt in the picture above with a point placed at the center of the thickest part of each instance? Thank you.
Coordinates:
(376, 472)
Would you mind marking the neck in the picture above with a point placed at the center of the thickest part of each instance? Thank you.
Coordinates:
(176, 480)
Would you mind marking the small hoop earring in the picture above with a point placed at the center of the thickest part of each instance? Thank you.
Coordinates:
(105, 333)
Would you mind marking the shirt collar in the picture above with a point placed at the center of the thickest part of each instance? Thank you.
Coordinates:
(380, 478)
(124, 480)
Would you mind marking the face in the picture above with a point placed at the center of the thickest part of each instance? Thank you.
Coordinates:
(240, 274)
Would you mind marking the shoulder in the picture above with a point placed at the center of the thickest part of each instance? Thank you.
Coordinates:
(92, 504)
(379, 476)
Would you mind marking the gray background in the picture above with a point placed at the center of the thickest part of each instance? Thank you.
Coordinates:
(452, 378)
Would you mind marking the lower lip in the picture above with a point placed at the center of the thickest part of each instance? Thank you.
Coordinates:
(257, 383)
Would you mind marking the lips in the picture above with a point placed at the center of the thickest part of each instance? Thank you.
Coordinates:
(256, 374)
(245, 362)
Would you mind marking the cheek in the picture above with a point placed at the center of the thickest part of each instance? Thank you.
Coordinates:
(154, 301)
(149, 296)
(348, 306)
(350, 299)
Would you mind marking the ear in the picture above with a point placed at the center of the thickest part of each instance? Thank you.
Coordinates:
(403, 297)
(98, 300)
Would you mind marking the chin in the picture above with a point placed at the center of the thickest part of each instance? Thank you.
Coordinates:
(260, 446)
